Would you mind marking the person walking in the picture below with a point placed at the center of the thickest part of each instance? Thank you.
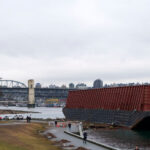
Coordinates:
(69, 126)
(84, 137)
(55, 123)
(27, 119)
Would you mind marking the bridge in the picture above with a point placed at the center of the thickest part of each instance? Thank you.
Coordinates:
(21, 94)
(11, 84)
(16, 91)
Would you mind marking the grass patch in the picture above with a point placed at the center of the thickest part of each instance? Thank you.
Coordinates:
(24, 137)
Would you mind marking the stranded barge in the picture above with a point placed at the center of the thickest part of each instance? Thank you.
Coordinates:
(124, 106)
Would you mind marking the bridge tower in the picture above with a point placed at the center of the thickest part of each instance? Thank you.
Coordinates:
(31, 95)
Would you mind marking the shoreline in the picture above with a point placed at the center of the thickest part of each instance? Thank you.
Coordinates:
(9, 111)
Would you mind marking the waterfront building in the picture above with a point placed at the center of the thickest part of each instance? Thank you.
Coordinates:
(98, 84)
(71, 86)
(53, 86)
(38, 85)
(81, 86)
(63, 87)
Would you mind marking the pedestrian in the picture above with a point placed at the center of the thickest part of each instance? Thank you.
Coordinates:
(55, 123)
(27, 118)
(137, 148)
(84, 137)
(69, 126)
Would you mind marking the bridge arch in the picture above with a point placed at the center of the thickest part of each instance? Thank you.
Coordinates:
(11, 84)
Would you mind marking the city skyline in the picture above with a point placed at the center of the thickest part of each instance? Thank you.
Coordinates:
(59, 42)
(98, 83)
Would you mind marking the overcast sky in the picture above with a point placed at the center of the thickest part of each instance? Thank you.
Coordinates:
(63, 41)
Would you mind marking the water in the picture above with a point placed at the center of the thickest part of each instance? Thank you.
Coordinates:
(43, 112)
(122, 138)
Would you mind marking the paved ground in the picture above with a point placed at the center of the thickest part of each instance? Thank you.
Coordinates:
(59, 133)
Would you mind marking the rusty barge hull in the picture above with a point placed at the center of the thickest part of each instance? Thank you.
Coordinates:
(124, 106)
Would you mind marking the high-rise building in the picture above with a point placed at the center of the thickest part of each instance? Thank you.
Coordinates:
(81, 86)
(98, 84)
(71, 86)
(63, 86)
(53, 86)
(38, 85)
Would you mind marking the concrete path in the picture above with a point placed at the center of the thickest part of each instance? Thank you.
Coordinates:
(59, 133)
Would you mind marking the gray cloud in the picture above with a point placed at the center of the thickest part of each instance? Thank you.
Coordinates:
(62, 41)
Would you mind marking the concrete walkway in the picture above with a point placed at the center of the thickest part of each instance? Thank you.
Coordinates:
(59, 133)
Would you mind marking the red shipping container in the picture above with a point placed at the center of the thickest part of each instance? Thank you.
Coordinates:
(123, 98)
